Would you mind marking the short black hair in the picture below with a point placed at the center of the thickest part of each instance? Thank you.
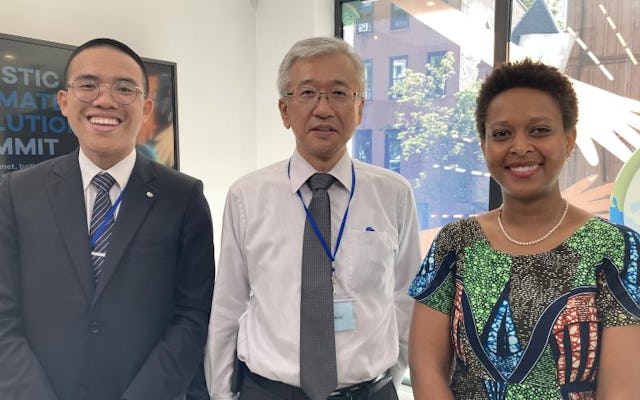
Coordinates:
(106, 42)
(528, 74)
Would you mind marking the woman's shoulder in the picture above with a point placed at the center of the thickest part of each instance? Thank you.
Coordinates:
(599, 239)
(460, 233)
(599, 233)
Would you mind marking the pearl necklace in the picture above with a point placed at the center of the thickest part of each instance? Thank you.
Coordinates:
(540, 239)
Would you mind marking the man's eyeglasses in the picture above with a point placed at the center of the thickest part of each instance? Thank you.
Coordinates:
(337, 97)
(87, 90)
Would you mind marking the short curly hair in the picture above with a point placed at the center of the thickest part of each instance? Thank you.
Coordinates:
(528, 74)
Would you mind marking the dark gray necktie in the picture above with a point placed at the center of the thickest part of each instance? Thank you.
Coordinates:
(318, 376)
(103, 183)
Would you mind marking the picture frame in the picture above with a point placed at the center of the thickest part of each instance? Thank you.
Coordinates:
(33, 130)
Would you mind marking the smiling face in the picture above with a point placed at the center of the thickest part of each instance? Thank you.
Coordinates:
(525, 144)
(105, 129)
(322, 130)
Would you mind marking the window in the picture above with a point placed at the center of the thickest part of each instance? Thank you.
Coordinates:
(435, 58)
(365, 19)
(368, 78)
(439, 146)
(392, 152)
(362, 145)
(434, 61)
(398, 70)
(399, 18)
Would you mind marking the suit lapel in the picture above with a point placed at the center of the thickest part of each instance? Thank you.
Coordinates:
(66, 197)
(137, 199)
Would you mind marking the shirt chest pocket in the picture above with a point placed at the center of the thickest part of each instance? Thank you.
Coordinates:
(368, 261)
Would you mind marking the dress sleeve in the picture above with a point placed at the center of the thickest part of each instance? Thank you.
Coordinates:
(618, 298)
(434, 284)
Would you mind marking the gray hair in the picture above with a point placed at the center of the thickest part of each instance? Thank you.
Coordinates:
(318, 46)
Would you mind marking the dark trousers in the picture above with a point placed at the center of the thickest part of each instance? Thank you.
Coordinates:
(255, 387)
(198, 388)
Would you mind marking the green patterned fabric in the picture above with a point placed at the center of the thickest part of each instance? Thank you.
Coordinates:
(529, 326)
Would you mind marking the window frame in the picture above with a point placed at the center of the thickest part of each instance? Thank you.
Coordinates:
(363, 137)
(368, 20)
(368, 75)
(391, 137)
(397, 18)
(393, 80)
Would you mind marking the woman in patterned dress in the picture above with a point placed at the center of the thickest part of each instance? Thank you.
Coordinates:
(538, 299)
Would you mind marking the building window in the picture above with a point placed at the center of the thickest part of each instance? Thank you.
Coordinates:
(365, 19)
(368, 79)
(362, 145)
(399, 18)
(434, 59)
(392, 150)
(398, 70)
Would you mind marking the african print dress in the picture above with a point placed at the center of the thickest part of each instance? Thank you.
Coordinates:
(529, 327)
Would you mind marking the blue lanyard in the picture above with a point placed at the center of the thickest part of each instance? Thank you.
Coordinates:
(105, 221)
(316, 230)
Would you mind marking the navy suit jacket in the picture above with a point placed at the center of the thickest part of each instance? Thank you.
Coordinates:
(140, 332)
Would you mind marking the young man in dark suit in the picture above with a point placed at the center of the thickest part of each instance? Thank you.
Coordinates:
(106, 258)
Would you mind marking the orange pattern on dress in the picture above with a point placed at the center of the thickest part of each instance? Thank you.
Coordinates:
(457, 323)
(580, 313)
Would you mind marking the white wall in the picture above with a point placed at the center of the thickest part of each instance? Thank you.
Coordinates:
(227, 54)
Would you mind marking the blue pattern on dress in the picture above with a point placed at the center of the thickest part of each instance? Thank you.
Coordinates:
(502, 344)
(427, 272)
(630, 277)
(495, 390)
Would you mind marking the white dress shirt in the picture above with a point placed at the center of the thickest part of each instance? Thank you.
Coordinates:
(256, 303)
(121, 172)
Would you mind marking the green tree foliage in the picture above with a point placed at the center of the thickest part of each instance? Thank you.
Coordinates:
(433, 129)
(350, 14)
(438, 139)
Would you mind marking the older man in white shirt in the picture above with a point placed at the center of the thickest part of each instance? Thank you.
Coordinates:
(370, 255)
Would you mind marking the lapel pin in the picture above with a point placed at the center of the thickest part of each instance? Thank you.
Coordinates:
(149, 194)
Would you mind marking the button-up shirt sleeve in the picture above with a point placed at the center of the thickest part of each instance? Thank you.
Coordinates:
(229, 301)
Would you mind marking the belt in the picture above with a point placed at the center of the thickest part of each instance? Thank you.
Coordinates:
(362, 390)
(358, 391)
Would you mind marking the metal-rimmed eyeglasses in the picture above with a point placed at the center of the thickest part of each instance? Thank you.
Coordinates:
(87, 90)
(337, 97)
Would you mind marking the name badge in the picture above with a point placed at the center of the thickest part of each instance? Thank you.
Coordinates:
(344, 318)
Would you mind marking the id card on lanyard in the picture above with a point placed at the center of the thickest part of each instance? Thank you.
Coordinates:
(343, 310)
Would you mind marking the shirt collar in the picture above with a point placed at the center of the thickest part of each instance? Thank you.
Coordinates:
(300, 171)
(121, 171)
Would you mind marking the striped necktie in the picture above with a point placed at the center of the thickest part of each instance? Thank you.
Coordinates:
(100, 232)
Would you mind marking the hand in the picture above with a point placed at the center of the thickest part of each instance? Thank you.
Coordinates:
(606, 118)
(594, 200)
